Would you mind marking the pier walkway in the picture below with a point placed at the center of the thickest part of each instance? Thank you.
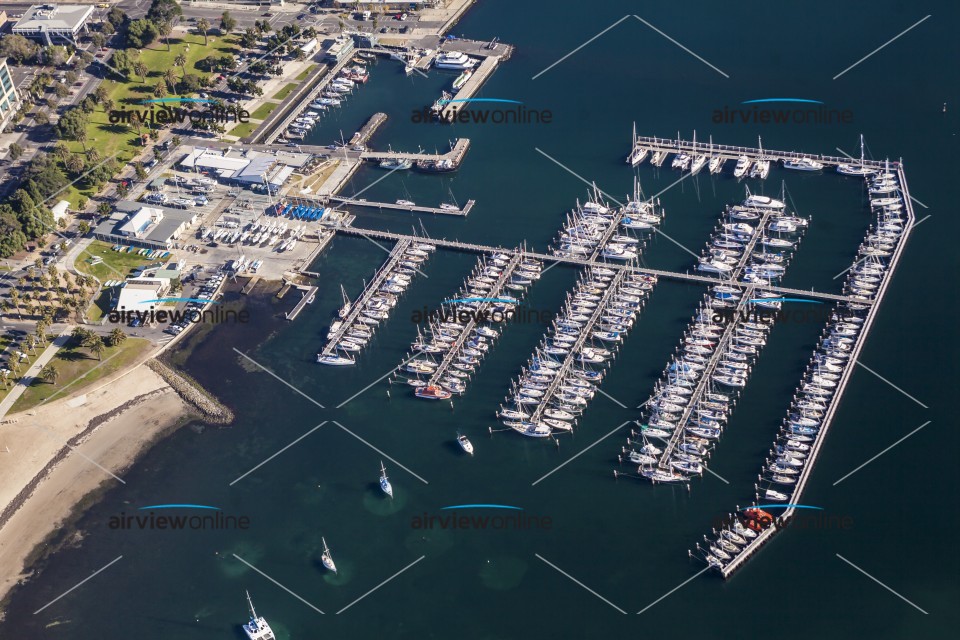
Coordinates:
(308, 294)
(795, 496)
(455, 154)
(586, 262)
(372, 288)
(405, 207)
(758, 233)
(704, 382)
(729, 152)
(470, 87)
(454, 351)
(570, 358)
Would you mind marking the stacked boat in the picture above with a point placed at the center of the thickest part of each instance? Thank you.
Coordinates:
(753, 241)
(566, 368)
(689, 408)
(596, 231)
(463, 331)
(870, 265)
(356, 321)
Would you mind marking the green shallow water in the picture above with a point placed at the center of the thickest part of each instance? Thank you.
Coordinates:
(624, 540)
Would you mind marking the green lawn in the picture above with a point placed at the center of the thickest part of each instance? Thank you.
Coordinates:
(306, 72)
(284, 92)
(79, 369)
(116, 264)
(243, 129)
(121, 139)
(7, 341)
(263, 111)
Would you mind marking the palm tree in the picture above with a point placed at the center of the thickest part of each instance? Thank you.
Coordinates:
(171, 78)
(15, 299)
(160, 90)
(164, 29)
(181, 61)
(50, 374)
(81, 136)
(141, 70)
(117, 336)
(97, 346)
(204, 26)
(107, 104)
(4, 378)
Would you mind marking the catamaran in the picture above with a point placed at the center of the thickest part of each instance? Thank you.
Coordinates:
(257, 628)
(385, 485)
(326, 558)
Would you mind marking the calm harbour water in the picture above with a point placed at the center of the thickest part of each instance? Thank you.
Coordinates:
(625, 540)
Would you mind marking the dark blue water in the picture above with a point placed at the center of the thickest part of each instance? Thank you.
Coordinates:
(624, 540)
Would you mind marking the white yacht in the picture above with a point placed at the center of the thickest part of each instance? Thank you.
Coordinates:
(454, 60)
(803, 164)
(743, 165)
(326, 558)
(385, 485)
(716, 164)
(257, 628)
(763, 202)
(335, 360)
(465, 444)
(761, 169)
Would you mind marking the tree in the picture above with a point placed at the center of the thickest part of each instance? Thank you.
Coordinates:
(18, 48)
(141, 70)
(81, 137)
(50, 374)
(170, 78)
(160, 90)
(227, 23)
(74, 164)
(100, 94)
(72, 123)
(117, 336)
(83, 228)
(116, 17)
(104, 209)
(140, 171)
(107, 104)
(181, 61)
(248, 39)
(98, 40)
(176, 141)
(122, 190)
(96, 345)
(141, 33)
(71, 77)
(61, 90)
(165, 29)
(83, 200)
(203, 26)
(107, 28)
(15, 151)
(164, 11)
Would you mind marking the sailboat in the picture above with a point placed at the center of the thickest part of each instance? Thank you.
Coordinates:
(856, 169)
(699, 159)
(385, 485)
(257, 628)
(326, 558)
(761, 168)
(345, 309)
(716, 162)
(637, 153)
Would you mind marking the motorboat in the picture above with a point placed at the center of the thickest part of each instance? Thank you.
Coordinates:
(803, 164)
(454, 60)
(465, 444)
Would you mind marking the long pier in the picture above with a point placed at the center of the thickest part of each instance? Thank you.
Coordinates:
(470, 87)
(454, 350)
(730, 152)
(568, 361)
(308, 294)
(405, 207)
(372, 287)
(754, 545)
(705, 379)
(586, 262)
(455, 154)
(758, 233)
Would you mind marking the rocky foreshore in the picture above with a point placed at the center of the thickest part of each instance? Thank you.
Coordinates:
(210, 409)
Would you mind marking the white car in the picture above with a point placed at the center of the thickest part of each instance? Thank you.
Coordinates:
(200, 200)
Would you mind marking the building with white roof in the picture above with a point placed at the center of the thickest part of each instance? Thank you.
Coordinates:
(136, 292)
(54, 24)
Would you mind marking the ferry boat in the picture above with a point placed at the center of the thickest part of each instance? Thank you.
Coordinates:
(454, 60)
(385, 485)
(257, 628)
(432, 392)
(465, 444)
(326, 558)
(803, 164)
(396, 163)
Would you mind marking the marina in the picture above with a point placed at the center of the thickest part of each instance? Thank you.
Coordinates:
(448, 210)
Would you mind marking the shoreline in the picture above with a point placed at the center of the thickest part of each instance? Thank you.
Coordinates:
(43, 487)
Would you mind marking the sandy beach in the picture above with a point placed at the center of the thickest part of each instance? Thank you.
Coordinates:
(42, 477)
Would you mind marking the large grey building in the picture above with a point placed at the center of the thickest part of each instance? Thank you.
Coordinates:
(54, 24)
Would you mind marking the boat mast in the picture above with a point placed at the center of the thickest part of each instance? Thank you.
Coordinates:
(253, 613)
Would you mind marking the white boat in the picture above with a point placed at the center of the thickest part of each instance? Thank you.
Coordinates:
(743, 165)
(335, 360)
(803, 164)
(326, 558)
(860, 169)
(465, 444)
(716, 164)
(454, 60)
(407, 203)
(385, 485)
(257, 628)
(762, 202)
